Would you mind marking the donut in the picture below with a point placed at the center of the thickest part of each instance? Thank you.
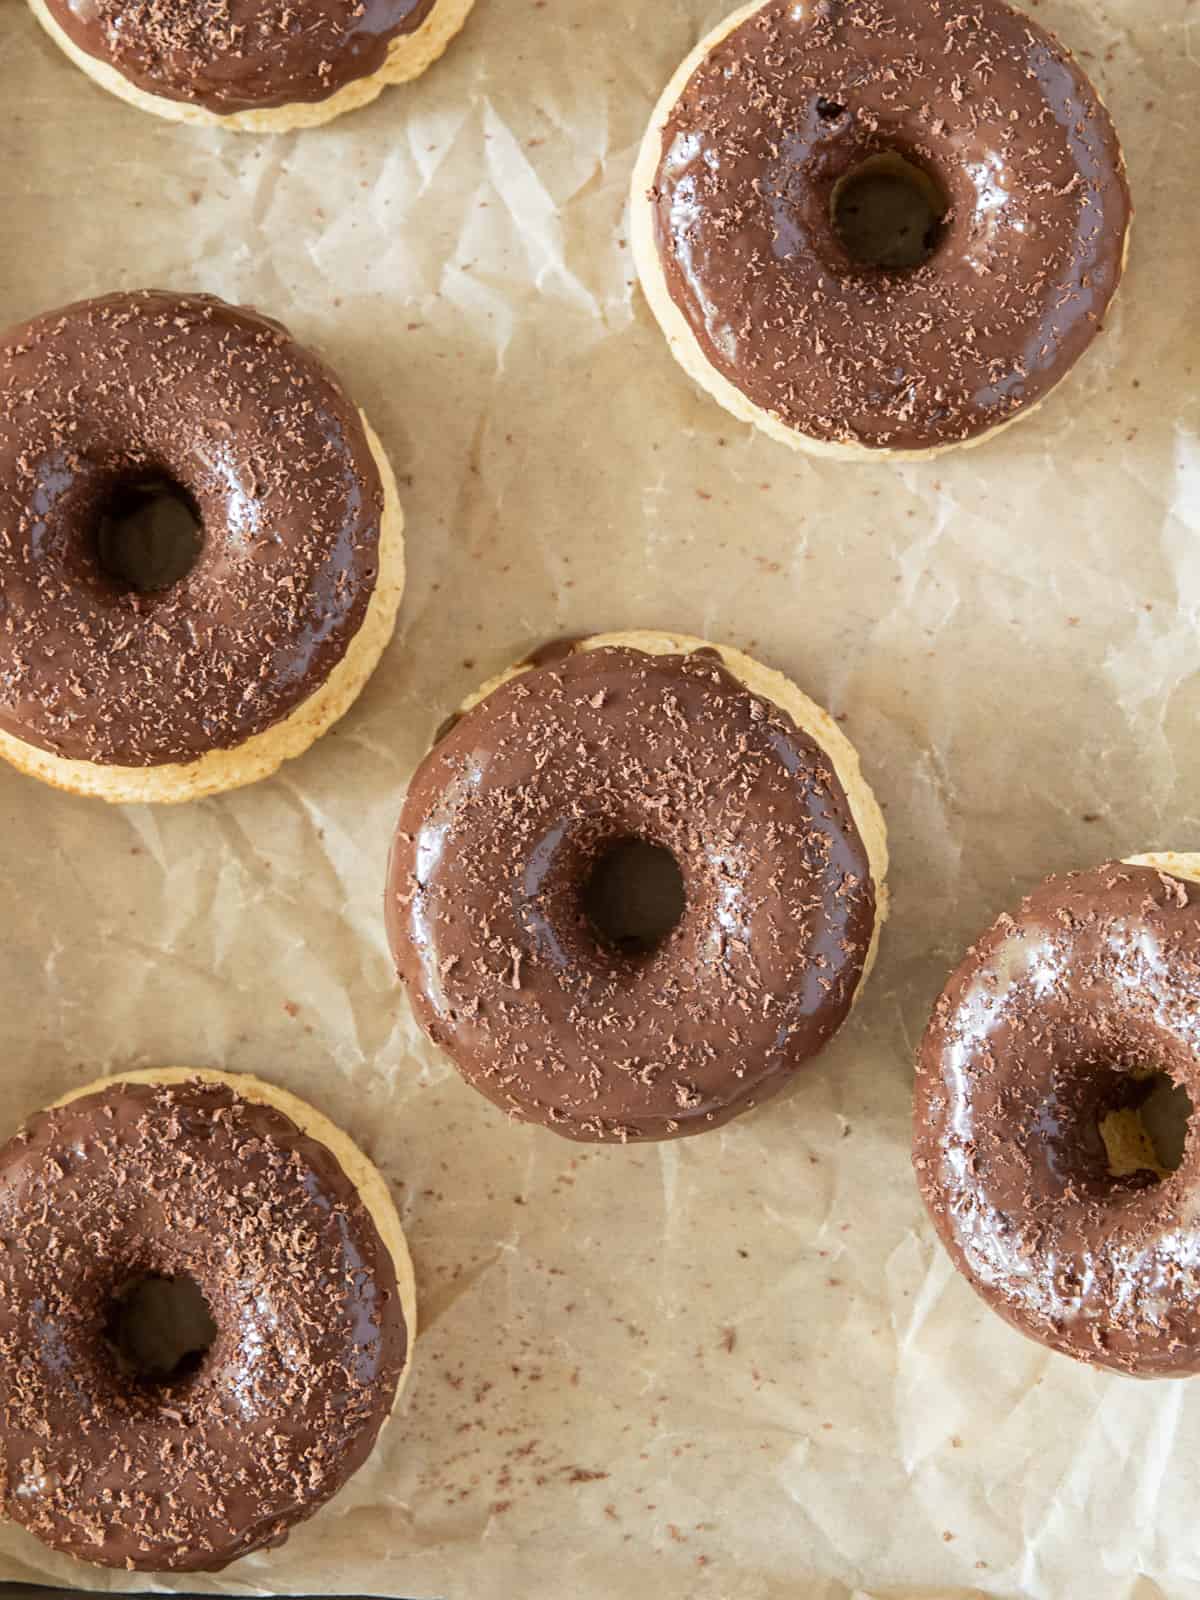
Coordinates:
(879, 227)
(256, 66)
(1039, 1172)
(606, 770)
(287, 1235)
(179, 683)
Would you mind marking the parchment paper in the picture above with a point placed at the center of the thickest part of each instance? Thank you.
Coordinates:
(736, 1368)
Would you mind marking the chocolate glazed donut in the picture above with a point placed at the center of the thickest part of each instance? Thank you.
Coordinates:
(780, 847)
(215, 677)
(1046, 1190)
(754, 169)
(258, 65)
(287, 1232)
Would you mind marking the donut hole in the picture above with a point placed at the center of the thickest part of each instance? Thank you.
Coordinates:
(1147, 1130)
(633, 896)
(888, 213)
(148, 533)
(159, 1329)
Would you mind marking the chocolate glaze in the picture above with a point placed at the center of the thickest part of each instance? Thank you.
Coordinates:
(190, 1180)
(504, 820)
(544, 655)
(1038, 1035)
(553, 650)
(1030, 252)
(259, 433)
(240, 55)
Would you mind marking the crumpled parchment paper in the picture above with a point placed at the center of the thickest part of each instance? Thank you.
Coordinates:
(736, 1368)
